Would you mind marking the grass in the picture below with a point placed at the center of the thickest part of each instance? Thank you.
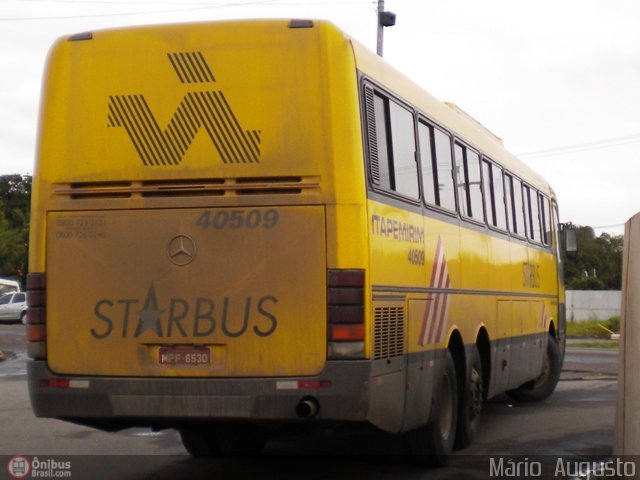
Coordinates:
(596, 344)
(591, 329)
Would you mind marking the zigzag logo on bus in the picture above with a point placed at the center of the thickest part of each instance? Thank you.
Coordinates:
(198, 109)
(436, 313)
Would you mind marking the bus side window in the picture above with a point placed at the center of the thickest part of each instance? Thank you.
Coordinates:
(474, 180)
(533, 214)
(444, 160)
(488, 193)
(494, 195)
(508, 197)
(392, 148)
(469, 182)
(428, 164)
(435, 157)
(518, 208)
(381, 173)
(463, 194)
(526, 193)
(544, 218)
(555, 227)
(499, 196)
(403, 144)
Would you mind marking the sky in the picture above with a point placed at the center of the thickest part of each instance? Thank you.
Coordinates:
(557, 80)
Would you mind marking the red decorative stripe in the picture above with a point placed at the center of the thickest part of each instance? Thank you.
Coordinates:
(437, 309)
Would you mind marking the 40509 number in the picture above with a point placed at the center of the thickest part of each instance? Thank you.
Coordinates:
(416, 257)
(236, 219)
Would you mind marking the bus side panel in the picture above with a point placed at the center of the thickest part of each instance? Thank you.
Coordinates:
(420, 374)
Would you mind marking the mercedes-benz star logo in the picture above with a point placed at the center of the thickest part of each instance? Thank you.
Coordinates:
(181, 250)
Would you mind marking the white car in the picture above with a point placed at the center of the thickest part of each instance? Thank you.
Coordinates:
(13, 307)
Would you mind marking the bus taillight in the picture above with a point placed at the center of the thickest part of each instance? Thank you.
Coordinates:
(36, 316)
(345, 314)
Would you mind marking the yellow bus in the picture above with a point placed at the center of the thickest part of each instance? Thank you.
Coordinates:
(244, 227)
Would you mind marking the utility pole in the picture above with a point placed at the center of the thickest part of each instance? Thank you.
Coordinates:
(385, 19)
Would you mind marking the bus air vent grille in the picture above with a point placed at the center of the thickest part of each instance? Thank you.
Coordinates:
(388, 332)
(191, 187)
(372, 135)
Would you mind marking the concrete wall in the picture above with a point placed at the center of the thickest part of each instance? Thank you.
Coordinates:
(585, 305)
(627, 431)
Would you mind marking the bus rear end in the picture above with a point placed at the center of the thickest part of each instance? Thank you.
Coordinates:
(183, 260)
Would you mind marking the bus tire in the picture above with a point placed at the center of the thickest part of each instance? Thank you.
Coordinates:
(472, 392)
(211, 443)
(199, 443)
(542, 387)
(431, 444)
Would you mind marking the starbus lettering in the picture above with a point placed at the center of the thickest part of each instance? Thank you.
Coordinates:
(396, 229)
(181, 317)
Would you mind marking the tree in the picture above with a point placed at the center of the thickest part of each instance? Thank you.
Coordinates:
(15, 192)
(15, 204)
(598, 264)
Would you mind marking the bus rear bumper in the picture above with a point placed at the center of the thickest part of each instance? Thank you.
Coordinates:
(341, 392)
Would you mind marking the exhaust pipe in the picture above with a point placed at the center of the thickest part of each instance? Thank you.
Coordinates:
(308, 407)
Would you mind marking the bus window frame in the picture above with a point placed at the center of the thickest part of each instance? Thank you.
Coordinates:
(454, 139)
(555, 225)
(387, 96)
(529, 214)
(515, 178)
(490, 190)
(433, 126)
(465, 147)
(545, 219)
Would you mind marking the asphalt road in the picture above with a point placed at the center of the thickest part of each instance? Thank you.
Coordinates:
(576, 422)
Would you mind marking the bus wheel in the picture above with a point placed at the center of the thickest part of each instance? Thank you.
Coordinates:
(211, 442)
(543, 386)
(471, 402)
(430, 445)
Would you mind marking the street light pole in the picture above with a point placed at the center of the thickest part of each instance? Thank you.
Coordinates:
(385, 19)
(380, 27)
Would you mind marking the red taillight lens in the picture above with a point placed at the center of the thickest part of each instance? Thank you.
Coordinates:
(56, 383)
(36, 333)
(345, 314)
(312, 384)
(36, 315)
(346, 333)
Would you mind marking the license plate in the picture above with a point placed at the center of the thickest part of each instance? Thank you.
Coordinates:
(184, 356)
